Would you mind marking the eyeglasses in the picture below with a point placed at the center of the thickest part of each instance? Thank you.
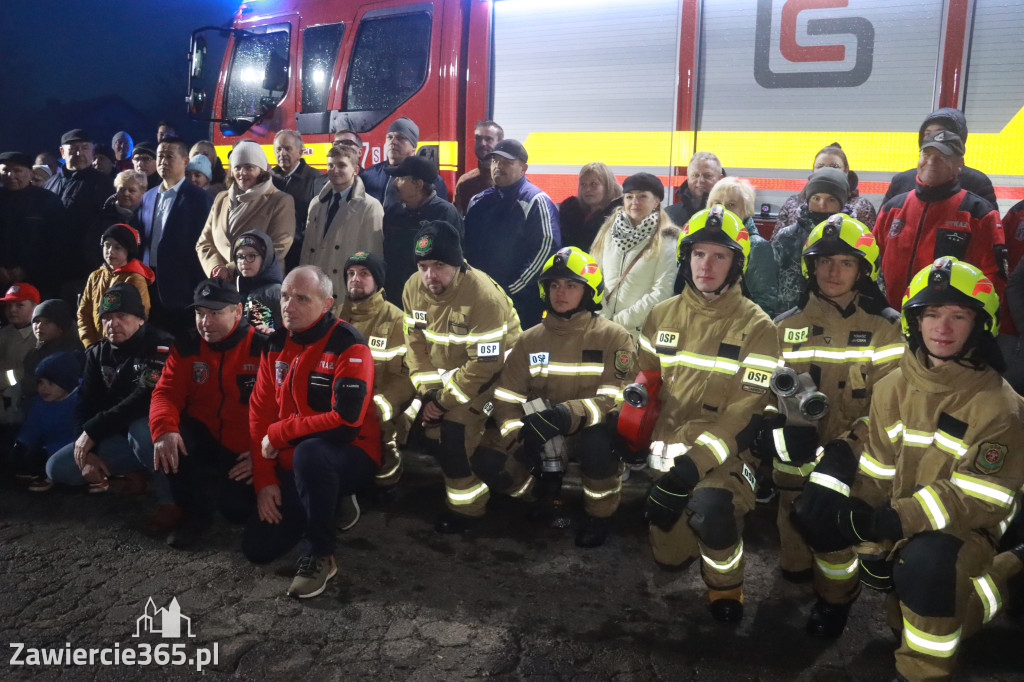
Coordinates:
(246, 257)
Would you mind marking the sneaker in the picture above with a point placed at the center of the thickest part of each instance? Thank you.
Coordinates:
(101, 487)
(40, 484)
(312, 576)
(348, 512)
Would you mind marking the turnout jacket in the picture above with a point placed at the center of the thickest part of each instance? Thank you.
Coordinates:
(315, 383)
(118, 381)
(715, 359)
(915, 228)
(380, 323)
(946, 449)
(582, 362)
(210, 382)
(846, 353)
(457, 340)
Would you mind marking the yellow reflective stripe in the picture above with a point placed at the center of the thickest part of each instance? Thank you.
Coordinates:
(508, 396)
(915, 438)
(947, 443)
(830, 482)
(779, 438)
(466, 495)
(886, 353)
(840, 571)
(510, 425)
(771, 408)
(458, 339)
(716, 445)
(420, 378)
(384, 405)
(804, 470)
(459, 395)
(522, 490)
(389, 354)
(610, 391)
(392, 471)
(646, 345)
(595, 414)
(894, 431)
(875, 469)
(755, 361)
(859, 353)
(940, 646)
(713, 364)
(601, 494)
(983, 490)
(728, 564)
(567, 369)
(933, 508)
(989, 596)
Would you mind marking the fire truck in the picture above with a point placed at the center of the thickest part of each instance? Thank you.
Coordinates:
(639, 85)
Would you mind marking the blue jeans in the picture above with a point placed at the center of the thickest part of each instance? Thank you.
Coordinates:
(122, 454)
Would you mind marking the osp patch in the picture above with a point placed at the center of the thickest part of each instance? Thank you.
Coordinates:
(990, 457)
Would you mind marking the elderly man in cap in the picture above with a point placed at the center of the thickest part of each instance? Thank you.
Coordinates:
(199, 414)
(380, 323)
(459, 325)
(418, 201)
(401, 141)
(293, 175)
(511, 229)
(31, 221)
(315, 433)
(144, 161)
(938, 218)
(113, 409)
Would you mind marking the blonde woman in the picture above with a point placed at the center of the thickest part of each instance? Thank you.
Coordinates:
(762, 276)
(636, 249)
(581, 216)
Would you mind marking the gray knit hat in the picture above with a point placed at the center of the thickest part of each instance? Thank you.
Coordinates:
(407, 128)
(830, 181)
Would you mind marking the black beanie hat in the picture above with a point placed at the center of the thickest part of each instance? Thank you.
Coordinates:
(372, 262)
(249, 240)
(439, 240)
(63, 369)
(57, 311)
(830, 181)
(644, 182)
(124, 235)
(122, 298)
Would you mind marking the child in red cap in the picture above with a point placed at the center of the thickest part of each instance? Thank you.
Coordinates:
(16, 340)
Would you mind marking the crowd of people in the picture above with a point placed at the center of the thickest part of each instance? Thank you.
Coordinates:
(282, 334)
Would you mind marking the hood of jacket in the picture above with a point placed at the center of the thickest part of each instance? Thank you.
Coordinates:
(270, 271)
(947, 117)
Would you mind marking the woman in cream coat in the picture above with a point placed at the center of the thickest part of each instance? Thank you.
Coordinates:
(251, 203)
(636, 248)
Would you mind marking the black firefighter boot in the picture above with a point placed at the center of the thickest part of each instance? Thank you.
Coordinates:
(827, 620)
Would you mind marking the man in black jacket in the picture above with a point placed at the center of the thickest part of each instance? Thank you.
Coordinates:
(703, 171)
(113, 407)
(401, 140)
(971, 179)
(293, 175)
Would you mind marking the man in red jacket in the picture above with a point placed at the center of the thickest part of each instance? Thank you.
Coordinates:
(199, 413)
(938, 218)
(314, 428)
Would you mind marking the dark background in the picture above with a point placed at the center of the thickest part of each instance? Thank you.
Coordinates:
(102, 65)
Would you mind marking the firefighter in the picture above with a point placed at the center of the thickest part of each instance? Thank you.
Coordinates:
(381, 323)
(939, 479)
(716, 351)
(459, 325)
(846, 338)
(576, 362)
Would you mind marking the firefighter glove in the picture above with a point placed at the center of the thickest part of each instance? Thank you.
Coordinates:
(540, 427)
(858, 523)
(816, 510)
(792, 444)
(670, 494)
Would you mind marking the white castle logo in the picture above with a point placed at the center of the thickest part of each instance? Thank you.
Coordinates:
(166, 622)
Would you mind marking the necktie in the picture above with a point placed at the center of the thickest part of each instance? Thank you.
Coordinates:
(332, 211)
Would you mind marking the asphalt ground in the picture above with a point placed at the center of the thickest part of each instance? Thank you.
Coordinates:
(511, 601)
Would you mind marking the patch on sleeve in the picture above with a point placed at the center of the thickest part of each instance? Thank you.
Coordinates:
(623, 359)
(666, 339)
(756, 378)
(488, 350)
(538, 359)
(378, 343)
(150, 377)
(796, 335)
(280, 371)
(420, 318)
(990, 458)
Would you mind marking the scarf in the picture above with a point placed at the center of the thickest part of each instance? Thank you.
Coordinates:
(239, 202)
(626, 236)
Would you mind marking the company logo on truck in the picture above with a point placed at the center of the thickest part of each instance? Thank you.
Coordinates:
(792, 53)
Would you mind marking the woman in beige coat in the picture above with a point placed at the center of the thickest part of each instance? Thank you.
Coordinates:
(252, 203)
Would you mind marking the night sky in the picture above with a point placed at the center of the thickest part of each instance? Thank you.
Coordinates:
(58, 54)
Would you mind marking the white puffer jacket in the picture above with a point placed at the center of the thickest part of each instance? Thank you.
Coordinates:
(648, 283)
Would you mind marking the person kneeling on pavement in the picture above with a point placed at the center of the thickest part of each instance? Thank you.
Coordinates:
(381, 323)
(938, 482)
(715, 350)
(199, 414)
(315, 433)
(114, 447)
(459, 324)
(561, 379)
